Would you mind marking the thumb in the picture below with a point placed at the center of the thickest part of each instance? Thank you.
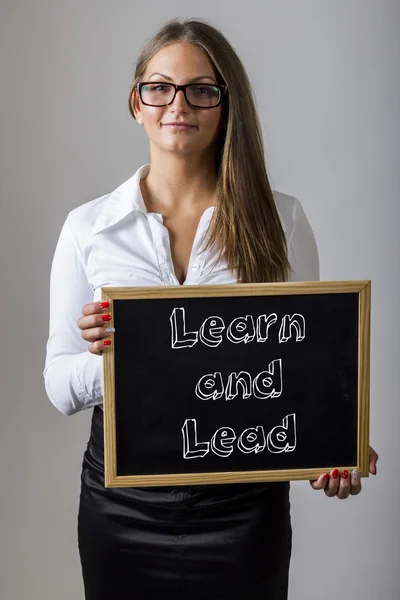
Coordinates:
(373, 459)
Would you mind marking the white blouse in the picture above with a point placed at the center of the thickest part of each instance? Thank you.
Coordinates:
(114, 241)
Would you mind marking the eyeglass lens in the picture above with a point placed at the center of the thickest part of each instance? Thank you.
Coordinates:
(198, 95)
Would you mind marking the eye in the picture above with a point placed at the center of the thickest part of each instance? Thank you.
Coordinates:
(204, 90)
(157, 87)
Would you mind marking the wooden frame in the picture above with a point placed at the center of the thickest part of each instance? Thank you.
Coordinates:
(362, 288)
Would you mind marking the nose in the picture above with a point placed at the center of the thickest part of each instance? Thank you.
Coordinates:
(180, 101)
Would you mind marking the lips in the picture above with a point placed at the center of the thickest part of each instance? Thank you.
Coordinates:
(179, 124)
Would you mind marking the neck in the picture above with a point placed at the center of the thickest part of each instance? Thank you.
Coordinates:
(179, 183)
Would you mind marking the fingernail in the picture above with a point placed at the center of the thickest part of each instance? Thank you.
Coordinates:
(109, 330)
(104, 304)
(326, 477)
(355, 474)
(106, 317)
(335, 474)
(345, 474)
(107, 343)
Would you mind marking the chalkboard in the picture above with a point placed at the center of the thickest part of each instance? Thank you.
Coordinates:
(234, 383)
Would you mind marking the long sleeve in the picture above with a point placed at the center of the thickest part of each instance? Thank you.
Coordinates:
(302, 248)
(73, 376)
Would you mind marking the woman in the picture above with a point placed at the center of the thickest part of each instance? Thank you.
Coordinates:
(206, 182)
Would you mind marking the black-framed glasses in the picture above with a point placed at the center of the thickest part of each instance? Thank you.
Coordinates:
(198, 95)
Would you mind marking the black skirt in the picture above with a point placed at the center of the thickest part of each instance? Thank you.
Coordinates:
(211, 542)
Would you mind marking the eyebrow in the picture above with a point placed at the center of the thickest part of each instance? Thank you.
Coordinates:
(190, 81)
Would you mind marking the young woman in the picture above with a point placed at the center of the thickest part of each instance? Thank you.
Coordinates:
(206, 182)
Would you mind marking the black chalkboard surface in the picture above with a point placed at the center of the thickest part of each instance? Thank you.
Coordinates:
(232, 383)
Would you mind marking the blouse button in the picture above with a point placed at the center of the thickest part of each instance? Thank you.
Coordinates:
(196, 267)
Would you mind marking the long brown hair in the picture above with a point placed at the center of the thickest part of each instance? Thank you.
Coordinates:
(245, 226)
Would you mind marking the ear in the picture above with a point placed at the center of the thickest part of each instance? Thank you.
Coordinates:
(135, 103)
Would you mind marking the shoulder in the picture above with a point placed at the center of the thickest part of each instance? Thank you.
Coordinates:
(289, 209)
(105, 211)
(81, 219)
(302, 246)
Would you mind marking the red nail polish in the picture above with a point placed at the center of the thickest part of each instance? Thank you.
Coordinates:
(345, 474)
(106, 317)
(104, 304)
(326, 477)
(335, 474)
(107, 343)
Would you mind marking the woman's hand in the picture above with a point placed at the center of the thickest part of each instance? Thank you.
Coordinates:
(95, 326)
(344, 484)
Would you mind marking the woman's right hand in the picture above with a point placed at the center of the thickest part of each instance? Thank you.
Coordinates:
(95, 326)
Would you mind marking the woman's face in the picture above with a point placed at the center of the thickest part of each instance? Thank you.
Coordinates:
(180, 63)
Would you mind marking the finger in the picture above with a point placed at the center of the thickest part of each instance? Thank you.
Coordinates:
(355, 483)
(99, 346)
(373, 459)
(95, 307)
(344, 486)
(333, 485)
(320, 483)
(96, 333)
(93, 320)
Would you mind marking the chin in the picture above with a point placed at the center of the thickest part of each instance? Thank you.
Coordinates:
(180, 146)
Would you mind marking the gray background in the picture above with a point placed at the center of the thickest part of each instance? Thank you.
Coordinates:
(327, 79)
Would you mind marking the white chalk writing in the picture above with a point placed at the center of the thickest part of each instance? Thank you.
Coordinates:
(281, 438)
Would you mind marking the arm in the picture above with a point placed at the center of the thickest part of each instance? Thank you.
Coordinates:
(303, 256)
(73, 376)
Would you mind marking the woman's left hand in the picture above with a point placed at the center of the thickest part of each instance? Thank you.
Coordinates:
(344, 484)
